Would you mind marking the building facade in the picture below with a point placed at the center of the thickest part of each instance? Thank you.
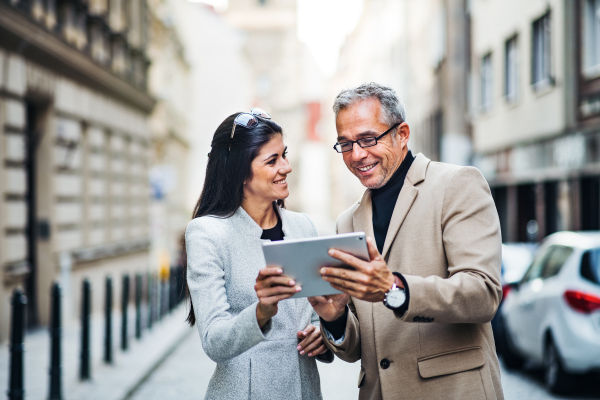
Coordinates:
(287, 83)
(536, 113)
(169, 82)
(75, 148)
(421, 48)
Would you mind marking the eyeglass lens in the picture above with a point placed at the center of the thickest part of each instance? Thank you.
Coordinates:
(347, 146)
(246, 120)
(260, 113)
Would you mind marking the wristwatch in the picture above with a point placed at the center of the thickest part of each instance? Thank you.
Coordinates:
(395, 298)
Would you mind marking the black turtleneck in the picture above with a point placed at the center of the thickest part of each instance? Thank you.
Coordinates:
(384, 200)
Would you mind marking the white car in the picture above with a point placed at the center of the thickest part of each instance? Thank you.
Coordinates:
(552, 315)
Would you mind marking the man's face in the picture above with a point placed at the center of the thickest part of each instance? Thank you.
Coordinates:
(374, 165)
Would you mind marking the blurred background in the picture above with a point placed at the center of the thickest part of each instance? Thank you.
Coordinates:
(108, 107)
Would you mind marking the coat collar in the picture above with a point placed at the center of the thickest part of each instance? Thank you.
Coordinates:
(250, 226)
(362, 218)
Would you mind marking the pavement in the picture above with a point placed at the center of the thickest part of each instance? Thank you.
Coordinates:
(108, 382)
(185, 375)
(169, 363)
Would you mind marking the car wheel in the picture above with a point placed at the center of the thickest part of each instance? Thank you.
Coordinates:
(511, 358)
(556, 379)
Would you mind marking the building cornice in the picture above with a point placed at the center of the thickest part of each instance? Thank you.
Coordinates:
(23, 36)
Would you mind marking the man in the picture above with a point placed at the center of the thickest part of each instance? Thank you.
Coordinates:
(419, 313)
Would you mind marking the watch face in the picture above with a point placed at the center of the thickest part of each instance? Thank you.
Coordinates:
(395, 298)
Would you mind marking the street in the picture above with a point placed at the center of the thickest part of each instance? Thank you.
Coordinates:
(186, 372)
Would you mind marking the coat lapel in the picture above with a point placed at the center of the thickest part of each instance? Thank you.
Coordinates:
(362, 218)
(406, 198)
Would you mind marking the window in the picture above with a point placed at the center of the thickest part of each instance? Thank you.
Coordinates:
(554, 263)
(590, 265)
(535, 270)
(591, 38)
(541, 73)
(486, 83)
(511, 70)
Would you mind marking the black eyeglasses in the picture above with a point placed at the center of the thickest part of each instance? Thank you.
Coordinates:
(364, 142)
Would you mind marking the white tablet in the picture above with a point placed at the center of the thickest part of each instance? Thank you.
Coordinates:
(301, 259)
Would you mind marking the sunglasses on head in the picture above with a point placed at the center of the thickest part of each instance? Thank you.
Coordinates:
(249, 120)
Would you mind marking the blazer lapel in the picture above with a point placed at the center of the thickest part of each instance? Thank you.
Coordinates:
(362, 218)
(406, 198)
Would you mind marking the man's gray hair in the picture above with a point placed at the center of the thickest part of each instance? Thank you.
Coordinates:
(392, 109)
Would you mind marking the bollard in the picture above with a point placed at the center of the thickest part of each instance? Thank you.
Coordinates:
(86, 308)
(124, 304)
(17, 347)
(150, 300)
(181, 286)
(108, 350)
(172, 289)
(55, 345)
(138, 306)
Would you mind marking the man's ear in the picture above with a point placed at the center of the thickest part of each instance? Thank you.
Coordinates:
(403, 132)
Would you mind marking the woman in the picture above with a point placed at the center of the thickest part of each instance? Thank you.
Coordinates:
(264, 348)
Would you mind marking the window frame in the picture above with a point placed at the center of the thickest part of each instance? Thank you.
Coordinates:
(511, 97)
(486, 81)
(541, 74)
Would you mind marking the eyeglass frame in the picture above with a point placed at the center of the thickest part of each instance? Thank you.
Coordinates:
(359, 140)
(262, 115)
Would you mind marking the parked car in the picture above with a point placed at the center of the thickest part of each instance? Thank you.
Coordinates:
(552, 315)
(516, 258)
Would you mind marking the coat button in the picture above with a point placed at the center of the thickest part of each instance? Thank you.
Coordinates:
(385, 363)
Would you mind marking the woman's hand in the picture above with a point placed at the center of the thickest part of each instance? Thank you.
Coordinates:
(271, 287)
(311, 342)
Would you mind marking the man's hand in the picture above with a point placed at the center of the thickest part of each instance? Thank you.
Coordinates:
(369, 281)
(311, 342)
(330, 307)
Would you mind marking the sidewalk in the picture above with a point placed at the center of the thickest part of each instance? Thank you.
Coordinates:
(109, 382)
(186, 372)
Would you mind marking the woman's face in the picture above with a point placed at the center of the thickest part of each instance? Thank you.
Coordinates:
(269, 172)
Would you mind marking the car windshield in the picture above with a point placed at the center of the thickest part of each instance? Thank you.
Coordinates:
(516, 257)
(590, 265)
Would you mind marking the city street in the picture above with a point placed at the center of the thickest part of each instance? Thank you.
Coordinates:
(185, 375)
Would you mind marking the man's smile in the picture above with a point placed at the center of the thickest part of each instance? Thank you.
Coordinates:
(367, 168)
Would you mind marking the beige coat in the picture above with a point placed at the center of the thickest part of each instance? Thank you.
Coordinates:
(444, 237)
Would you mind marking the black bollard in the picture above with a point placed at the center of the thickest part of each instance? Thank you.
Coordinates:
(138, 306)
(150, 300)
(55, 345)
(181, 286)
(108, 349)
(171, 289)
(86, 308)
(17, 347)
(124, 305)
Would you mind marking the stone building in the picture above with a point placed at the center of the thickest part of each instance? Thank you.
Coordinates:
(75, 148)
(169, 80)
(536, 112)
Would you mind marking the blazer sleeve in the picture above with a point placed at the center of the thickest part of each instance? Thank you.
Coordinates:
(223, 335)
(472, 242)
(349, 350)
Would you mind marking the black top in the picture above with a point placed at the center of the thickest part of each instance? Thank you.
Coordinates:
(384, 200)
(275, 233)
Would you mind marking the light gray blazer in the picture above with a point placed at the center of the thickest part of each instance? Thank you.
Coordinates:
(224, 256)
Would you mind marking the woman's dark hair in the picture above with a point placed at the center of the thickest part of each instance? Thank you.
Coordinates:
(229, 166)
